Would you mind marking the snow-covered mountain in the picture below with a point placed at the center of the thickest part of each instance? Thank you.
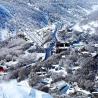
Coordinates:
(52, 44)
(89, 24)
(21, 16)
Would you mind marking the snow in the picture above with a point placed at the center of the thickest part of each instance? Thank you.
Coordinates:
(94, 8)
(87, 28)
(96, 45)
(12, 89)
(58, 84)
(79, 45)
(11, 63)
(87, 11)
(39, 94)
(47, 80)
(94, 23)
(90, 26)
(3, 34)
(93, 54)
(40, 55)
(60, 71)
(84, 91)
(80, 89)
(35, 56)
(76, 68)
(37, 36)
(77, 27)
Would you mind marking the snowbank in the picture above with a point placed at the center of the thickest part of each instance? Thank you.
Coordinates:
(13, 89)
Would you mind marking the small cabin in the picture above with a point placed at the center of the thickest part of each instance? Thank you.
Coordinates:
(60, 47)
